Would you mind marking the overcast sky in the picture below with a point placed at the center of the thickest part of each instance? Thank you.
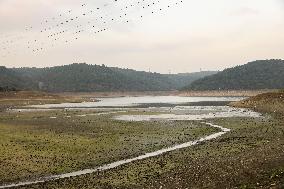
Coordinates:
(185, 37)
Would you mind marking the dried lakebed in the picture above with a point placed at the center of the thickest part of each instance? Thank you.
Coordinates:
(178, 113)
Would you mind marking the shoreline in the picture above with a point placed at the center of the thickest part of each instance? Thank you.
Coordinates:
(218, 93)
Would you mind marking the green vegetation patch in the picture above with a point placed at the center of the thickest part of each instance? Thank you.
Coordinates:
(35, 144)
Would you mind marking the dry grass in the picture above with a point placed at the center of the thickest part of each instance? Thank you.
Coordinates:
(251, 156)
(34, 145)
(267, 102)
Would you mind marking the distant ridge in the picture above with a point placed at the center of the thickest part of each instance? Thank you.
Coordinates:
(261, 74)
(93, 78)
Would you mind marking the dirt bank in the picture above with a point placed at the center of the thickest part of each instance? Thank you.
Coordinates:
(272, 102)
(219, 93)
(237, 93)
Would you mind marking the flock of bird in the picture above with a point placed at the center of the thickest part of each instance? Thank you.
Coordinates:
(85, 20)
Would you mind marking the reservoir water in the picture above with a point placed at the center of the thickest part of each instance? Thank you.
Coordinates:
(135, 101)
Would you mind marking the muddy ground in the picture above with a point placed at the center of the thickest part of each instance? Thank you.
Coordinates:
(250, 156)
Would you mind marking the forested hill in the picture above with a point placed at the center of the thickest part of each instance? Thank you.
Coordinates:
(261, 74)
(91, 78)
(10, 80)
(86, 78)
